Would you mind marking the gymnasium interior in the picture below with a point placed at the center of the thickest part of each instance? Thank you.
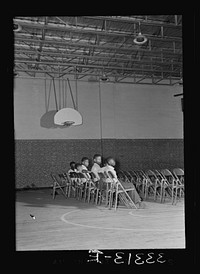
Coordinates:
(99, 85)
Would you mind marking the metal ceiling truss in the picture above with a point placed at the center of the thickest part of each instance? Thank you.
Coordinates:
(86, 46)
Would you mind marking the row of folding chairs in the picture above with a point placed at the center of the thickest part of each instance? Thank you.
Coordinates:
(159, 184)
(76, 185)
(85, 186)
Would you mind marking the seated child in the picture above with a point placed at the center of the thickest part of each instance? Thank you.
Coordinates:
(110, 167)
(96, 168)
(85, 163)
(72, 167)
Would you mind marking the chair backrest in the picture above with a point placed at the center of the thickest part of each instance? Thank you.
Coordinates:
(133, 175)
(110, 174)
(81, 175)
(179, 175)
(72, 175)
(158, 174)
(151, 175)
(101, 175)
(178, 171)
(140, 175)
(53, 176)
(86, 173)
(168, 175)
(126, 173)
(121, 175)
(56, 178)
(93, 176)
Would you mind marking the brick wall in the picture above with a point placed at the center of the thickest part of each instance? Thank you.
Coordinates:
(36, 159)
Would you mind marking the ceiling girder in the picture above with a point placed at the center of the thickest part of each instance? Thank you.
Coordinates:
(99, 32)
(94, 57)
(87, 46)
(24, 60)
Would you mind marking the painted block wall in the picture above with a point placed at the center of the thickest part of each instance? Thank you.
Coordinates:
(128, 111)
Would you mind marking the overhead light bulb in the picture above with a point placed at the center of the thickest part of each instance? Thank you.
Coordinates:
(104, 77)
(140, 39)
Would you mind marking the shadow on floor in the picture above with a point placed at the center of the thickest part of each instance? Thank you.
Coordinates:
(43, 198)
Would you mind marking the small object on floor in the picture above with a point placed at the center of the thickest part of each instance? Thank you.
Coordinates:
(32, 216)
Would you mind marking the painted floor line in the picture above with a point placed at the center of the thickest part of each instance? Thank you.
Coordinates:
(116, 228)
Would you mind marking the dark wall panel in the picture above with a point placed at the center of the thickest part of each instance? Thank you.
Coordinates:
(36, 159)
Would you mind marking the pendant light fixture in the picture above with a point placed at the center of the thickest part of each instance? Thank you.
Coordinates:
(140, 39)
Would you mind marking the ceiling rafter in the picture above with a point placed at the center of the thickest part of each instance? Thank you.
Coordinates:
(87, 46)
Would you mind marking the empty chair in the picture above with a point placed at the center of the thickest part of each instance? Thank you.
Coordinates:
(179, 176)
(128, 176)
(73, 179)
(137, 180)
(121, 175)
(169, 184)
(67, 180)
(153, 186)
(142, 181)
(58, 184)
(134, 177)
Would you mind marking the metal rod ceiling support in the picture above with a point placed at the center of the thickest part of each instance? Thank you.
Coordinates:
(88, 66)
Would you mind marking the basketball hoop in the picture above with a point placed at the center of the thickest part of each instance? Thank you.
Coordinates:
(67, 117)
(68, 123)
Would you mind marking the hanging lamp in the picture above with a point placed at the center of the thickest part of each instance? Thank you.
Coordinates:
(140, 39)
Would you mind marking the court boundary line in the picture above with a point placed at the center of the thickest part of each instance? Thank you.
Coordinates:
(115, 228)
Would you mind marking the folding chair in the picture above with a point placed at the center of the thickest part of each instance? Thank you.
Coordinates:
(137, 181)
(129, 178)
(134, 177)
(179, 176)
(95, 182)
(142, 181)
(58, 184)
(121, 176)
(121, 192)
(66, 179)
(103, 188)
(90, 188)
(169, 185)
(73, 179)
(154, 185)
(80, 185)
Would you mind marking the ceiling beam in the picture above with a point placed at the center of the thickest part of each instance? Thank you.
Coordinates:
(89, 74)
(87, 45)
(131, 20)
(94, 57)
(28, 61)
(84, 31)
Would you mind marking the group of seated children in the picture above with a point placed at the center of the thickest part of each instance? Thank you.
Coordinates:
(109, 166)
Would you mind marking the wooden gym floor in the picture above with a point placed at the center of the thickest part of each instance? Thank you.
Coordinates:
(70, 224)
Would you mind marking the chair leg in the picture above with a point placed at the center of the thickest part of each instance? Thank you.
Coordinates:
(53, 193)
(69, 190)
(116, 199)
(54, 190)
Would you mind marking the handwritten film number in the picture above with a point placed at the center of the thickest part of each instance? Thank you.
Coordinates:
(139, 260)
